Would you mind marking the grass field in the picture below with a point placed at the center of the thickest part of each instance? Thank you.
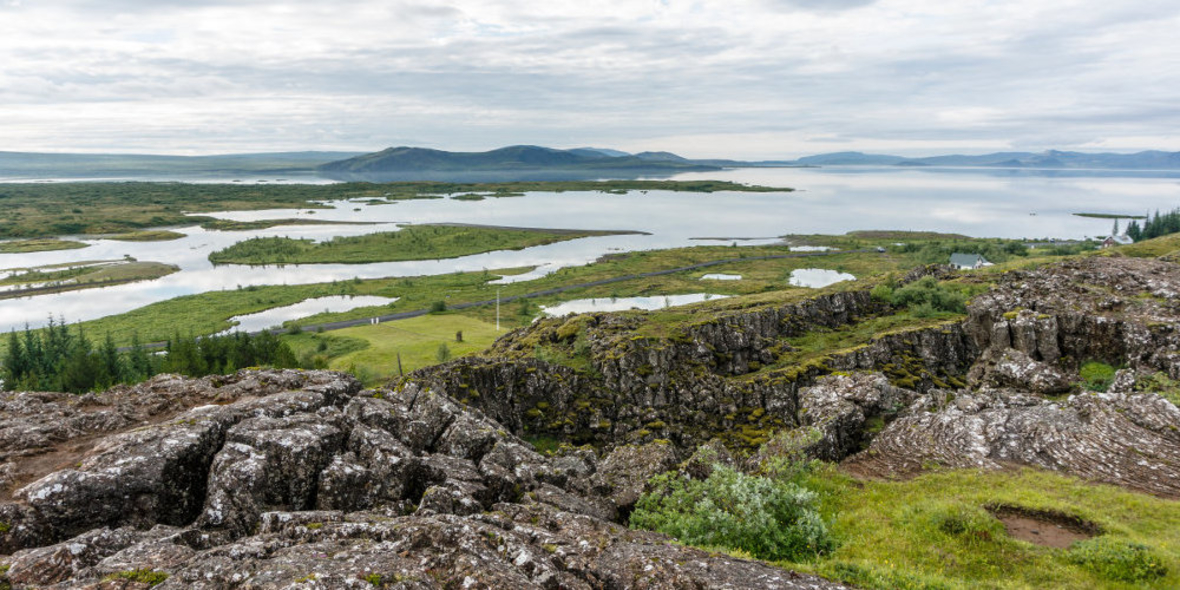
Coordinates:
(158, 235)
(373, 352)
(39, 245)
(231, 225)
(415, 242)
(87, 277)
(934, 532)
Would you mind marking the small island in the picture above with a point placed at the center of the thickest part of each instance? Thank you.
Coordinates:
(415, 242)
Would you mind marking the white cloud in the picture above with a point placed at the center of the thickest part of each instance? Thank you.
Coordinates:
(749, 78)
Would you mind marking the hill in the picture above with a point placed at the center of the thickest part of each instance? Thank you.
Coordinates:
(521, 162)
(41, 165)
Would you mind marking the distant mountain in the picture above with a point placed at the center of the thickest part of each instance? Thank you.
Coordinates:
(519, 162)
(1149, 160)
(40, 165)
(589, 151)
(850, 159)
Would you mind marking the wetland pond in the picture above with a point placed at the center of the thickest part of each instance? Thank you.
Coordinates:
(976, 202)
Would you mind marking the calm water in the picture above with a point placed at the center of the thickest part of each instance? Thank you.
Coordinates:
(625, 303)
(277, 315)
(984, 203)
(818, 277)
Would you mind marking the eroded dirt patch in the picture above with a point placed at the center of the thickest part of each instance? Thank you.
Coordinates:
(1043, 527)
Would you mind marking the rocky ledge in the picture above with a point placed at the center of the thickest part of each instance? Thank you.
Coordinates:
(289, 479)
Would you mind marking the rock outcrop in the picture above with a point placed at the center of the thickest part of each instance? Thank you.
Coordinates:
(1127, 440)
(1011, 365)
(302, 480)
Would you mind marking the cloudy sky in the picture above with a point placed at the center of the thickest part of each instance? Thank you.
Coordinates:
(740, 78)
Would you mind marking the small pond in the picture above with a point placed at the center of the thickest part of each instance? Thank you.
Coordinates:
(625, 303)
(262, 320)
(818, 277)
(721, 277)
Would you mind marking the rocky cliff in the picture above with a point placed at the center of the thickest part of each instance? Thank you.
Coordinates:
(999, 387)
(288, 479)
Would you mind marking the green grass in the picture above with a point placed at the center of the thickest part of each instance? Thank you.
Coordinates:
(1161, 246)
(898, 534)
(821, 342)
(159, 235)
(39, 245)
(145, 576)
(415, 242)
(90, 277)
(417, 340)
(231, 225)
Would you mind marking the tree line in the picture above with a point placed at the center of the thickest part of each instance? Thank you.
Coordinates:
(60, 358)
(1154, 226)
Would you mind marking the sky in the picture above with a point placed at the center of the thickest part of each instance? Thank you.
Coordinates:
(751, 79)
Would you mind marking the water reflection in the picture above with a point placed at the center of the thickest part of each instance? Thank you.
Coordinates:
(276, 316)
(625, 303)
(818, 277)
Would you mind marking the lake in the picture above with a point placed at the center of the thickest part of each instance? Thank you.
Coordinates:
(975, 202)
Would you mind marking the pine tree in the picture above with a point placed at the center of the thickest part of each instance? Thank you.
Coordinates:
(140, 363)
(16, 363)
(113, 369)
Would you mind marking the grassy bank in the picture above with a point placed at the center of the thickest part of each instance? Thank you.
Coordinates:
(159, 235)
(934, 531)
(230, 225)
(46, 281)
(415, 242)
(372, 352)
(39, 245)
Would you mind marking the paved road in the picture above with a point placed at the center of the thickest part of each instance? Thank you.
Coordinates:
(467, 305)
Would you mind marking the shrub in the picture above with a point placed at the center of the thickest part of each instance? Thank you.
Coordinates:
(929, 295)
(1117, 560)
(1096, 376)
(971, 524)
(145, 576)
(438, 307)
(766, 518)
(1162, 385)
(443, 354)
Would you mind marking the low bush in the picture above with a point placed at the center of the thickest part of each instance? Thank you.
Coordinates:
(1118, 560)
(768, 519)
(1096, 376)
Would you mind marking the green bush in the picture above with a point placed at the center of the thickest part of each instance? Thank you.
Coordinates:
(766, 518)
(1096, 376)
(970, 524)
(1162, 385)
(1117, 560)
(927, 295)
(145, 576)
(867, 576)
